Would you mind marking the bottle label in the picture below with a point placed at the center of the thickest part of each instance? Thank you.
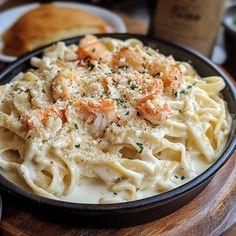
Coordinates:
(192, 23)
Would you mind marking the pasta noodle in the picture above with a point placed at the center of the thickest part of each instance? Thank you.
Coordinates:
(109, 121)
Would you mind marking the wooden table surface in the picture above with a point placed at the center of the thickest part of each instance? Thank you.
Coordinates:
(210, 213)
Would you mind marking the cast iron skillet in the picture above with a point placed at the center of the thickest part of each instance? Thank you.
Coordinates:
(140, 211)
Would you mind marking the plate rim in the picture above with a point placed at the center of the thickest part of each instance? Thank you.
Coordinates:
(106, 12)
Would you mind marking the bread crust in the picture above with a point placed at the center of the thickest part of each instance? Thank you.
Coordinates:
(46, 24)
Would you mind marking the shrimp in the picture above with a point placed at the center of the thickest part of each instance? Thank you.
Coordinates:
(172, 79)
(154, 109)
(97, 116)
(155, 87)
(91, 47)
(64, 85)
(127, 57)
(171, 76)
(39, 117)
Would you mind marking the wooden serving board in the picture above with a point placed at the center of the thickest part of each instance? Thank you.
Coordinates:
(210, 213)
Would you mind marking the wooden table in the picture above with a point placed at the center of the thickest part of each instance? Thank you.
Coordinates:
(210, 213)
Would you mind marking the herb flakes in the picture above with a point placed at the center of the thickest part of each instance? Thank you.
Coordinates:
(119, 103)
(91, 66)
(156, 74)
(123, 67)
(175, 94)
(183, 91)
(140, 145)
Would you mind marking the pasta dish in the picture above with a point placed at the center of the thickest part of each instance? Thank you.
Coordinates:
(109, 121)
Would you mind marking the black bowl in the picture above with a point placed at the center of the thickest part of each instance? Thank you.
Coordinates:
(140, 211)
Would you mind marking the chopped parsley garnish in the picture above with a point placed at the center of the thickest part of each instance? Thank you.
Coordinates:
(91, 66)
(138, 114)
(127, 113)
(76, 126)
(94, 49)
(189, 86)
(140, 145)
(115, 193)
(157, 74)
(143, 66)
(77, 145)
(119, 103)
(176, 78)
(118, 179)
(176, 177)
(133, 87)
(29, 136)
(183, 92)
(123, 67)
(43, 90)
(129, 81)
(194, 83)
(175, 94)
(182, 177)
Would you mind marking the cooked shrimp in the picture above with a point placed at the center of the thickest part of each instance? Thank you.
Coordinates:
(91, 47)
(172, 79)
(170, 75)
(155, 87)
(64, 85)
(97, 115)
(127, 57)
(154, 109)
(104, 105)
(104, 83)
(39, 117)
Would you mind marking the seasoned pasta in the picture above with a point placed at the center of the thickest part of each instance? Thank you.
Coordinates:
(109, 121)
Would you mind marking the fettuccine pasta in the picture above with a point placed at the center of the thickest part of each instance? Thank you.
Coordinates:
(109, 121)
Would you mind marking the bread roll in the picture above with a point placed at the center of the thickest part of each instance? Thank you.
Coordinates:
(46, 24)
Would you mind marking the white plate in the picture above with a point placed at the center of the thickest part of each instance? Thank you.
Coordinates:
(8, 18)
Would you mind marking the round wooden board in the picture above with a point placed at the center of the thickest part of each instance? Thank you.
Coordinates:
(210, 213)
